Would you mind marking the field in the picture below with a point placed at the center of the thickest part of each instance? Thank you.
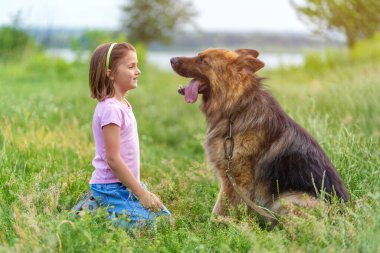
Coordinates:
(46, 148)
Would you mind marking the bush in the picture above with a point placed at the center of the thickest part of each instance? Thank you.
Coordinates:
(363, 51)
(367, 50)
(14, 42)
(314, 61)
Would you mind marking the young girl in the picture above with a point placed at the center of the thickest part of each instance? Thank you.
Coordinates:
(115, 182)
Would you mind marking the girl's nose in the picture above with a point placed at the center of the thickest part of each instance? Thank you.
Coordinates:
(138, 72)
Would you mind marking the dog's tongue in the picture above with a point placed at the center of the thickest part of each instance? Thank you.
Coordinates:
(191, 91)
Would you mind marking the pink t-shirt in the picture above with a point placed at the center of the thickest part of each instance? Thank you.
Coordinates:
(112, 111)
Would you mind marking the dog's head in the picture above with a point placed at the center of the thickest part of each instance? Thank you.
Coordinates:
(217, 73)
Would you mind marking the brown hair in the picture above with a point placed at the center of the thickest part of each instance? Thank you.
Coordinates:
(100, 84)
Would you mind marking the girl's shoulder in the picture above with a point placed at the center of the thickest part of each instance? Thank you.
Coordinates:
(112, 104)
(108, 102)
(106, 105)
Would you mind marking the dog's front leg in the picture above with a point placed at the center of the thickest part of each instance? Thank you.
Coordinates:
(220, 211)
(220, 205)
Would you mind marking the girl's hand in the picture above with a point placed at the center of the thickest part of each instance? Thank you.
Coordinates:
(151, 201)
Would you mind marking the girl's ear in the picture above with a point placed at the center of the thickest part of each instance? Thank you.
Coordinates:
(109, 75)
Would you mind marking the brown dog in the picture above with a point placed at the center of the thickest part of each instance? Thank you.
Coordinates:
(273, 160)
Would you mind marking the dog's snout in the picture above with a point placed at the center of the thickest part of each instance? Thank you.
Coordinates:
(174, 61)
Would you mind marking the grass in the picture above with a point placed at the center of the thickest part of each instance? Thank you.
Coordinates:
(46, 149)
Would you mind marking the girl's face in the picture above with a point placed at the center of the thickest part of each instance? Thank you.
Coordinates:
(126, 74)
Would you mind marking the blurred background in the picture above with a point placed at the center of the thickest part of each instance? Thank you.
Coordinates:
(281, 30)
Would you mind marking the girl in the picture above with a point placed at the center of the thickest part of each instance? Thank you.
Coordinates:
(115, 182)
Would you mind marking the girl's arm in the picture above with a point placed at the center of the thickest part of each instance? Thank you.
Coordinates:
(122, 172)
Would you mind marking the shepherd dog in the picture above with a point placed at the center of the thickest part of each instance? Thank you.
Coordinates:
(274, 161)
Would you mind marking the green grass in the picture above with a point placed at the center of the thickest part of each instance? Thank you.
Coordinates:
(46, 149)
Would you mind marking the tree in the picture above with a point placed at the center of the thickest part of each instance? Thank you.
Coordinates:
(14, 41)
(147, 21)
(356, 19)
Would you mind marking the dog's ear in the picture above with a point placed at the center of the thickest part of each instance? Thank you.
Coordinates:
(249, 62)
(252, 52)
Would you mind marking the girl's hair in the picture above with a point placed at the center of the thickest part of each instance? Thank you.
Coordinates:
(100, 85)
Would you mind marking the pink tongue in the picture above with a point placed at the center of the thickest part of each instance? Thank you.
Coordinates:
(191, 91)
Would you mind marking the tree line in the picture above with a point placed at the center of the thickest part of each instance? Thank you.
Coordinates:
(146, 22)
(149, 21)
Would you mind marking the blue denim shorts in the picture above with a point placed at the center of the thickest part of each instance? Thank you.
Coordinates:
(123, 206)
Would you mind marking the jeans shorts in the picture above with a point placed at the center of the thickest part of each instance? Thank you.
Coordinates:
(123, 206)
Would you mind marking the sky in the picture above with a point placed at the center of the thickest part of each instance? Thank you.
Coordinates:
(213, 15)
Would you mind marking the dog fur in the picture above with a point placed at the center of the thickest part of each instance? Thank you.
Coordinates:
(274, 159)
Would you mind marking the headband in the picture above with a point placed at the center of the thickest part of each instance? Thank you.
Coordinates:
(109, 55)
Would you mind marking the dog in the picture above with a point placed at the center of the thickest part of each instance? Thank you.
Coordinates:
(274, 162)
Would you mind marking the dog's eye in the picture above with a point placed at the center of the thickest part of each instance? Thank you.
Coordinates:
(204, 61)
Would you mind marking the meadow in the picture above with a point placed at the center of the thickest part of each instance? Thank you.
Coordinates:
(46, 148)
